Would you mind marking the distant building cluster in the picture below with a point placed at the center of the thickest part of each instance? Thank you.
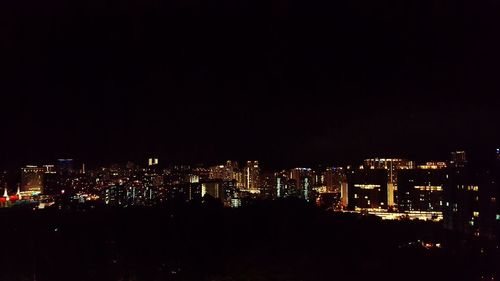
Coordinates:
(464, 199)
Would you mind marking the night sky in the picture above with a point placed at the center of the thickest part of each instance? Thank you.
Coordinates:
(288, 82)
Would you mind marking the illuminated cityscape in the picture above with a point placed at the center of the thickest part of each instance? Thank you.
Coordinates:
(238, 140)
(449, 194)
(396, 189)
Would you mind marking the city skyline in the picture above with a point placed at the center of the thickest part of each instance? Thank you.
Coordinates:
(270, 140)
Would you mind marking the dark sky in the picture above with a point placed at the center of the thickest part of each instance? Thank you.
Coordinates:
(284, 81)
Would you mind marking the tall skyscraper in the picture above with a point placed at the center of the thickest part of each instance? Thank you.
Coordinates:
(303, 182)
(461, 195)
(251, 175)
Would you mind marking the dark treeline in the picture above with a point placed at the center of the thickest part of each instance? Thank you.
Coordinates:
(284, 240)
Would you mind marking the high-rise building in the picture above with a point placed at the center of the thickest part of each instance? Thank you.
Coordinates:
(489, 197)
(251, 175)
(392, 166)
(153, 162)
(64, 166)
(461, 209)
(334, 177)
(422, 189)
(303, 182)
(228, 172)
(367, 189)
(115, 195)
(268, 186)
(214, 189)
(32, 180)
(280, 185)
(458, 159)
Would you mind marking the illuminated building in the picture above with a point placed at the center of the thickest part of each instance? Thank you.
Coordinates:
(489, 201)
(461, 209)
(303, 182)
(202, 173)
(421, 189)
(367, 189)
(32, 180)
(280, 186)
(194, 179)
(458, 159)
(185, 192)
(153, 162)
(267, 186)
(115, 195)
(153, 183)
(52, 184)
(228, 172)
(251, 175)
(65, 166)
(213, 188)
(344, 195)
(220, 172)
(231, 194)
(330, 180)
(392, 165)
(387, 163)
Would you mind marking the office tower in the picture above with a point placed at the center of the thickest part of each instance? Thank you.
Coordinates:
(152, 182)
(32, 180)
(51, 183)
(489, 197)
(213, 188)
(334, 177)
(268, 186)
(231, 196)
(367, 189)
(392, 165)
(421, 189)
(303, 182)
(344, 194)
(64, 166)
(251, 175)
(458, 159)
(115, 195)
(329, 179)
(461, 196)
(280, 187)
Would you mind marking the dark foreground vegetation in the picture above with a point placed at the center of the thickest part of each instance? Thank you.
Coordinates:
(287, 240)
